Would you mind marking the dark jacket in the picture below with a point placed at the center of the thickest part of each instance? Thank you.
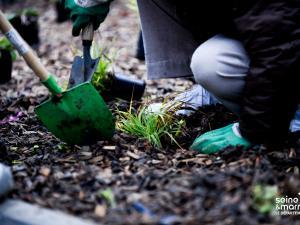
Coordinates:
(270, 31)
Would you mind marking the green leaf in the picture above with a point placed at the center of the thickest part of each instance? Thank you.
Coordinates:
(109, 197)
(6, 45)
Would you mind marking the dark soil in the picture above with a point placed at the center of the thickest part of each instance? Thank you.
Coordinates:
(150, 186)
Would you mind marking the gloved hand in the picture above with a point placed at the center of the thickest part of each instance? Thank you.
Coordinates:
(84, 12)
(216, 140)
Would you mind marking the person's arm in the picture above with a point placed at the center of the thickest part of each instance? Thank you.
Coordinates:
(272, 85)
(84, 12)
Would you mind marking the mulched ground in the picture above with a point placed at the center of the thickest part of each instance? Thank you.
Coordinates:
(150, 186)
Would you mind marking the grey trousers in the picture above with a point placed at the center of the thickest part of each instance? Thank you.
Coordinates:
(220, 64)
(168, 45)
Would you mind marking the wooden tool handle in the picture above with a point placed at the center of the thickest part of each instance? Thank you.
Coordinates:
(88, 33)
(23, 48)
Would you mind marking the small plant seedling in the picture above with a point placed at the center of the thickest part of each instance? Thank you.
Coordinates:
(6, 45)
(263, 198)
(103, 77)
(7, 56)
(152, 126)
(109, 197)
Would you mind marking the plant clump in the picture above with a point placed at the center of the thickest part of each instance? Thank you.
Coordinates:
(155, 127)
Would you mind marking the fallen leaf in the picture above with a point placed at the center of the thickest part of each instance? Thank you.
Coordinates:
(100, 211)
(45, 171)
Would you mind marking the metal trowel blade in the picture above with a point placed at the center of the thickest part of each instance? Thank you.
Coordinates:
(77, 71)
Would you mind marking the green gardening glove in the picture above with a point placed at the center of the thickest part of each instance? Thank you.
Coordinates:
(84, 12)
(216, 140)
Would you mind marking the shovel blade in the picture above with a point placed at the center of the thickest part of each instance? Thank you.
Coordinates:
(77, 72)
(80, 116)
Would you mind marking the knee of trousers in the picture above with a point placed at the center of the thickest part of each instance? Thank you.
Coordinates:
(220, 65)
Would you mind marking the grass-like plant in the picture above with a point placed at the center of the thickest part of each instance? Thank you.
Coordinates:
(152, 126)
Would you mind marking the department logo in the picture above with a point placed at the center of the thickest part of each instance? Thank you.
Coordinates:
(287, 205)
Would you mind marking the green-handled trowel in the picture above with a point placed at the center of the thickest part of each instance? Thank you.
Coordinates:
(76, 116)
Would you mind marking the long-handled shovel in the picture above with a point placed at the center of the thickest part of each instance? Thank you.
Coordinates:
(76, 116)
